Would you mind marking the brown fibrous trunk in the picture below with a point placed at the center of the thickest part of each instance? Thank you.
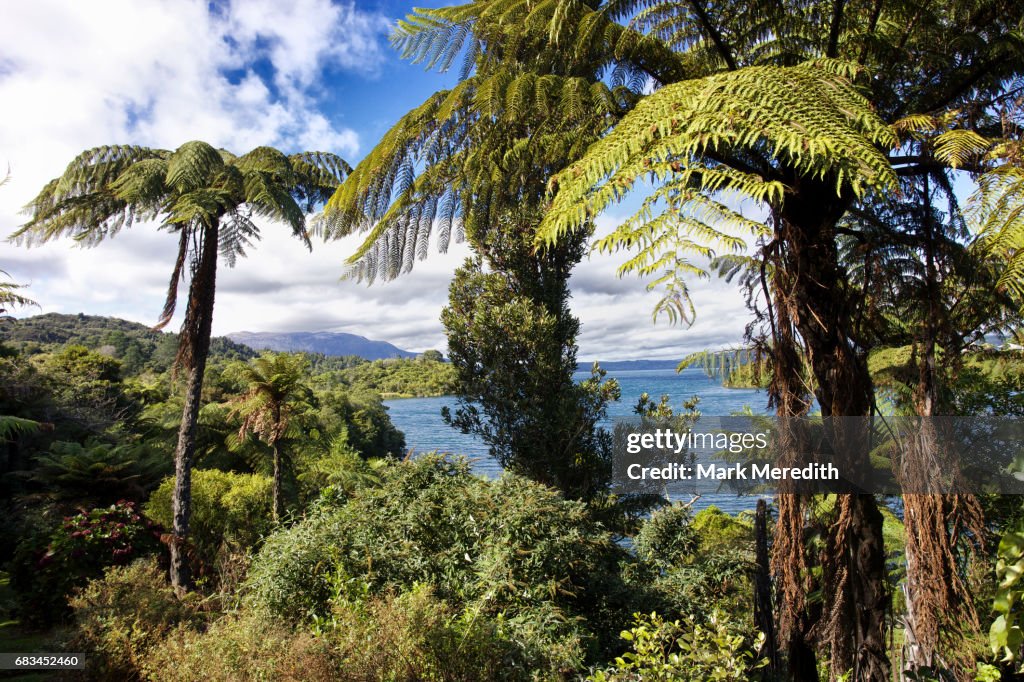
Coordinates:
(193, 349)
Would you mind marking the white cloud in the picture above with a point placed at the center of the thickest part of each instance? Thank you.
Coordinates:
(156, 72)
(80, 74)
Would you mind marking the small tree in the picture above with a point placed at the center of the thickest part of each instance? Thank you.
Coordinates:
(511, 339)
(208, 197)
(275, 395)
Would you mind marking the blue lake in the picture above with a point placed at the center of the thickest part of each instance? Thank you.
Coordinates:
(420, 418)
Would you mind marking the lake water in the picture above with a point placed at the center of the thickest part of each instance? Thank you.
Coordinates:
(420, 418)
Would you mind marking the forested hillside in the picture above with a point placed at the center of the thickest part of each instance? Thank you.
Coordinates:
(138, 347)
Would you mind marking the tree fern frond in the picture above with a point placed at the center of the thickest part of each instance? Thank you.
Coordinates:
(811, 121)
(192, 165)
(958, 147)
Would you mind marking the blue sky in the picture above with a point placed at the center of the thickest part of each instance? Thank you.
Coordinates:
(308, 74)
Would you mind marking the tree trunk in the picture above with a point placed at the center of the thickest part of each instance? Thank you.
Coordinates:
(816, 294)
(193, 348)
(277, 483)
(936, 594)
(764, 618)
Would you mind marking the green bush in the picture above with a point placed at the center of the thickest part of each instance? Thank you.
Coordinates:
(717, 530)
(408, 637)
(122, 615)
(48, 568)
(416, 636)
(507, 547)
(695, 563)
(243, 647)
(668, 537)
(228, 511)
(674, 651)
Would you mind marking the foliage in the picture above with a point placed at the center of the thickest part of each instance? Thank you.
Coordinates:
(46, 569)
(138, 348)
(97, 472)
(416, 636)
(511, 339)
(9, 296)
(242, 647)
(122, 615)
(274, 393)
(697, 563)
(676, 651)
(807, 119)
(230, 512)
(207, 198)
(506, 546)
(12, 427)
(274, 402)
(668, 537)
(1007, 631)
(341, 468)
(402, 377)
(364, 418)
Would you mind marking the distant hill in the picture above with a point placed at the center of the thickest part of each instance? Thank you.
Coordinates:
(327, 343)
(137, 346)
(624, 365)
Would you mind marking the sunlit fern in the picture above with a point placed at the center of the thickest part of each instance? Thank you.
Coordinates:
(709, 144)
(522, 109)
(106, 189)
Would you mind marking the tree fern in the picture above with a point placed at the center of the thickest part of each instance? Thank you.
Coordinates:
(208, 197)
(9, 296)
(709, 144)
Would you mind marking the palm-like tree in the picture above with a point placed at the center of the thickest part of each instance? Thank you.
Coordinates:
(9, 296)
(275, 394)
(751, 98)
(209, 198)
(8, 290)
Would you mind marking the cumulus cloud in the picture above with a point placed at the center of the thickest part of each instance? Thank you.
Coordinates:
(160, 72)
(75, 75)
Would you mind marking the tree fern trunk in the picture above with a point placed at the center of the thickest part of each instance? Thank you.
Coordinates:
(823, 310)
(193, 348)
(277, 483)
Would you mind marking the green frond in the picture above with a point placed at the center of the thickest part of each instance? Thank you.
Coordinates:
(142, 185)
(958, 147)
(11, 427)
(683, 138)
(192, 165)
(264, 160)
(9, 297)
(80, 204)
(996, 212)
(718, 363)
(812, 122)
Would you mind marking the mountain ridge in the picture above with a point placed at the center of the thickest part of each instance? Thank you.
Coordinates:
(325, 342)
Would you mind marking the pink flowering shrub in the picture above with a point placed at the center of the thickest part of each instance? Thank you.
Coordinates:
(49, 569)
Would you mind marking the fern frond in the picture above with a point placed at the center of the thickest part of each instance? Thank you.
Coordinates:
(192, 165)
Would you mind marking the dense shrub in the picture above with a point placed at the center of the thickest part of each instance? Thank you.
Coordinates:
(717, 530)
(243, 647)
(696, 563)
(508, 547)
(405, 637)
(47, 568)
(231, 513)
(122, 615)
(416, 636)
(687, 651)
(668, 537)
